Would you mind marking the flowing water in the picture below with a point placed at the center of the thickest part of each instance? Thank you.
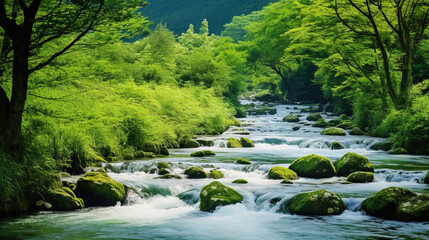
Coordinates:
(157, 213)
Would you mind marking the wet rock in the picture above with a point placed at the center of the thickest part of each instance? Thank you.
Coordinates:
(352, 162)
(314, 117)
(291, 118)
(286, 181)
(282, 173)
(215, 174)
(357, 131)
(240, 181)
(337, 146)
(343, 117)
(164, 151)
(345, 124)
(162, 165)
(320, 202)
(246, 143)
(170, 176)
(163, 171)
(361, 177)
(321, 123)
(233, 143)
(196, 172)
(296, 128)
(385, 146)
(207, 143)
(63, 199)
(333, 131)
(398, 151)
(99, 189)
(191, 144)
(398, 204)
(242, 161)
(203, 153)
(216, 194)
(334, 122)
(313, 166)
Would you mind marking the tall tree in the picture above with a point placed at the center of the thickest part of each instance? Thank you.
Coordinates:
(27, 26)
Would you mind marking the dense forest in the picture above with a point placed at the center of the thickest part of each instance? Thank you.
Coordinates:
(76, 92)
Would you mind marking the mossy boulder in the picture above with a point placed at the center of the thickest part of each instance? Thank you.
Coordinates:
(242, 161)
(286, 181)
(240, 181)
(207, 143)
(398, 151)
(346, 124)
(203, 153)
(321, 123)
(162, 165)
(164, 151)
(357, 131)
(333, 131)
(191, 144)
(282, 173)
(343, 117)
(352, 162)
(163, 171)
(215, 174)
(398, 204)
(334, 122)
(170, 176)
(99, 189)
(234, 143)
(361, 177)
(384, 146)
(314, 117)
(196, 172)
(216, 194)
(291, 118)
(296, 128)
(337, 146)
(247, 143)
(313, 166)
(63, 199)
(320, 202)
(426, 179)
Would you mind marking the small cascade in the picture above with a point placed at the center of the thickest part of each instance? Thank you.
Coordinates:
(353, 204)
(390, 175)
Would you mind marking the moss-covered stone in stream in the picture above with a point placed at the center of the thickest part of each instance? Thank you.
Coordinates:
(164, 151)
(320, 202)
(398, 204)
(286, 181)
(240, 181)
(216, 194)
(233, 143)
(195, 172)
(337, 146)
(314, 117)
(242, 161)
(99, 189)
(162, 165)
(333, 131)
(361, 177)
(163, 171)
(296, 128)
(398, 151)
(281, 173)
(313, 166)
(63, 199)
(291, 118)
(246, 143)
(215, 174)
(357, 131)
(170, 176)
(426, 179)
(190, 144)
(203, 153)
(385, 146)
(321, 123)
(207, 143)
(343, 117)
(352, 162)
(347, 124)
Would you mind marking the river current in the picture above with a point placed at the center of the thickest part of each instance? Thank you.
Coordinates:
(160, 214)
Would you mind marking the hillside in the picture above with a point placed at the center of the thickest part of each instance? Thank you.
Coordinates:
(179, 14)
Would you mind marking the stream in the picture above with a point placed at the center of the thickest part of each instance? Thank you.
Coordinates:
(162, 215)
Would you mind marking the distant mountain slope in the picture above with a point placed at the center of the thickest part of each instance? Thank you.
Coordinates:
(178, 14)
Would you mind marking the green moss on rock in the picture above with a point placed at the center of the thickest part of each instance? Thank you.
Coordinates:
(196, 172)
(282, 173)
(314, 117)
(398, 204)
(98, 189)
(352, 162)
(164, 151)
(398, 151)
(337, 146)
(170, 176)
(385, 146)
(319, 202)
(321, 123)
(357, 131)
(207, 143)
(240, 181)
(63, 199)
(162, 165)
(242, 161)
(313, 166)
(191, 144)
(361, 177)
(343, 117)
(233, 143)
(346, 124)
(215, 174)
(291, 118)
(247, 143)
(286, 181)
(333, 131)
(203, 153)
(216, 194)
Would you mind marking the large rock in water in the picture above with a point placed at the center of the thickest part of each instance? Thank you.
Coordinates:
(63, 199)
(196, 172)
(398, 204)
(313, 166)
(247, 143)
(319, 202)
(291, 118)
(203, 153)
(282, 173)
(333, 131)
(352, 162)
(98, 189)
(361, 177)
(233, 143)
(314, 117)
(216, 194)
